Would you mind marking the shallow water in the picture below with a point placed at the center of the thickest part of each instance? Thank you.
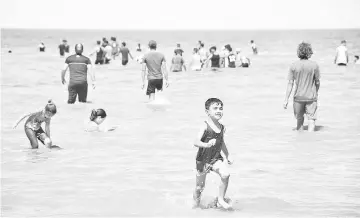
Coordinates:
(146, 166)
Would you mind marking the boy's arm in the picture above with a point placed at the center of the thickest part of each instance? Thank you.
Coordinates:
(20, 119)
(63, 72)
(224, 151)
(198, 143)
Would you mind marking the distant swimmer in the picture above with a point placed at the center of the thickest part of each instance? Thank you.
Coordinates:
(214, 57)
(356, 61)
(63, 48)
(342, 57)
(244, 61)
(177, 62)
(196, 62)
(254, 47)
(97, 117)
(125, 53)
(42, 47)
(100, 54)
(138, 48)
(108, 52)
(203, 54)
(115, 47)
(155, 62)
(212, 154)
(79, 66)
(305, 75)
(33, 129)
(230, 57)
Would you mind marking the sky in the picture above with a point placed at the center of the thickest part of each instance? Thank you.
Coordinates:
(180, 14)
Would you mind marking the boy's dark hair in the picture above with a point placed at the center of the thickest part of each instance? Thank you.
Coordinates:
(304, 51)
(98, 42)
(123, 43)
(196, 50)
(202, 45)
(357, 56)
(211, 101)
(213, 47)
(252, 41)
(50, 107)
(97, 113)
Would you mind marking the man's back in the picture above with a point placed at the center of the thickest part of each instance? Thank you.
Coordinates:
(154, 60)
(78, 68)
(125, 53)
(305, 73)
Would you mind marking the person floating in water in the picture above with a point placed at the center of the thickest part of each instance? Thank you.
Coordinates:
(214, 57)
(139, 48)
(79, 65)
(305, 75)
(155, 62)
(42, 47)
(212, 154)
(33, 129)
(254, 47)
(97, 117)
(341, 57)
(63, 48)
(177, 62)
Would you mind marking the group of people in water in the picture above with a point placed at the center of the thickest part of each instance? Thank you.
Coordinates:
(213, 154)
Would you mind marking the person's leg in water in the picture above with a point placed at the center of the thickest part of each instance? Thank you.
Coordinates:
(82, 91)
(72, 93)
(32, 138)
(311, 113)
(299, 111)
(199, 188)
(221, 169)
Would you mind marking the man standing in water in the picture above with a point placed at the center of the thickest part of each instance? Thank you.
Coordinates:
(155, 62)
(306, 75)
(341, 57)
(79, 66)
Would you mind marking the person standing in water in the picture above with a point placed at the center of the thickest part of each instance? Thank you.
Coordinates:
(42, 47)
(341, 57)
(63, 48)
(177, 62)
(125, 54)
(212, 154)
(97, 117)
(305, 75)
(139, 48)
(214, 58)
(155, 62)
(254, 47)
(99, 51)
(79, 66)
(33, 129)
(196, 62)
(115, 47)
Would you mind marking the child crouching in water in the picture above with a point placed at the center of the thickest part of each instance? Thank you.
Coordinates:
(33, 129)
(97, 117)
(212, 154)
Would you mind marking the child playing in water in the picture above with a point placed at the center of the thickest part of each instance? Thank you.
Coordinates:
(212, 154)
(97, 117)
(33, 128)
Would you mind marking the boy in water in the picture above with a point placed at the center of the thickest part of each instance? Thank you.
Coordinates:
(212, 154)
(305, 75)
(253, 47)
(177, 62)
(356, 61)
(342, 56)
(33, 129)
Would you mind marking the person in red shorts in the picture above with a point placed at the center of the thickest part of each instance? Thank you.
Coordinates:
(305, 74)
(155, 62)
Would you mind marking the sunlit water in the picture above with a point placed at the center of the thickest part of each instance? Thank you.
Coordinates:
(146, 166)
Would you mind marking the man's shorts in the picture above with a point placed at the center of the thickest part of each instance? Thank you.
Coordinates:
(308, 108)
(245, 65)
(124, 62)
(79, 89)
(154, 84)
(97, 61)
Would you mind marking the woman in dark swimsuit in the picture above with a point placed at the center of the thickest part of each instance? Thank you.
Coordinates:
(214, 57)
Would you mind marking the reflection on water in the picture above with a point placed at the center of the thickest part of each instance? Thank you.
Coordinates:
(146, 166)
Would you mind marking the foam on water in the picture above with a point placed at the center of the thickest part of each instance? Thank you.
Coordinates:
(146, 166)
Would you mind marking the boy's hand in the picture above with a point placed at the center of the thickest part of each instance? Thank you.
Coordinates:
(167, 84)
(285, 104)
(211, 143)
(230, 160)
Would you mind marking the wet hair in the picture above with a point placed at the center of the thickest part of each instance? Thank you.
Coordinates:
(113, 38)
(196, 50)
(104, 39)
(50, 107)
(304, 51)
(98, 42)
(202, 45)
(211, 101)
(123, 43)
(252, 41)
(228, 47)
(97, 113)
(213, 47)
(64, 40)
(357, 56)
(80, 50)
(152, 46)
(343, 41)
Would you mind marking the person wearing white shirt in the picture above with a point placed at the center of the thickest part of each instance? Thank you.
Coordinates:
(341, 57)
(196, 61)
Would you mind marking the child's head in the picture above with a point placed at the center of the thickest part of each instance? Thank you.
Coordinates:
(343, 42)
(214, 108)
(304, 51)
(356, 57)
(238, 50)
(252, 41)
(202, 45)
(123, 43)
(213, 49)
(98, 116)
(98, 42)
(50, 109)
(195, 50)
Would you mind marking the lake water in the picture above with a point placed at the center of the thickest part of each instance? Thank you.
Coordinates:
(146, 166)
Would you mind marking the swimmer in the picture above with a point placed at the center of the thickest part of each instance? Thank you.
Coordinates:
(342, 56)
(212, 154)
(33, 129)
(139, 48)
(97, 117)
(42, 47)
(177, 62)
(214, 57)
(125, 53)
(356, 61)
(254, 47)
(196, 62)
